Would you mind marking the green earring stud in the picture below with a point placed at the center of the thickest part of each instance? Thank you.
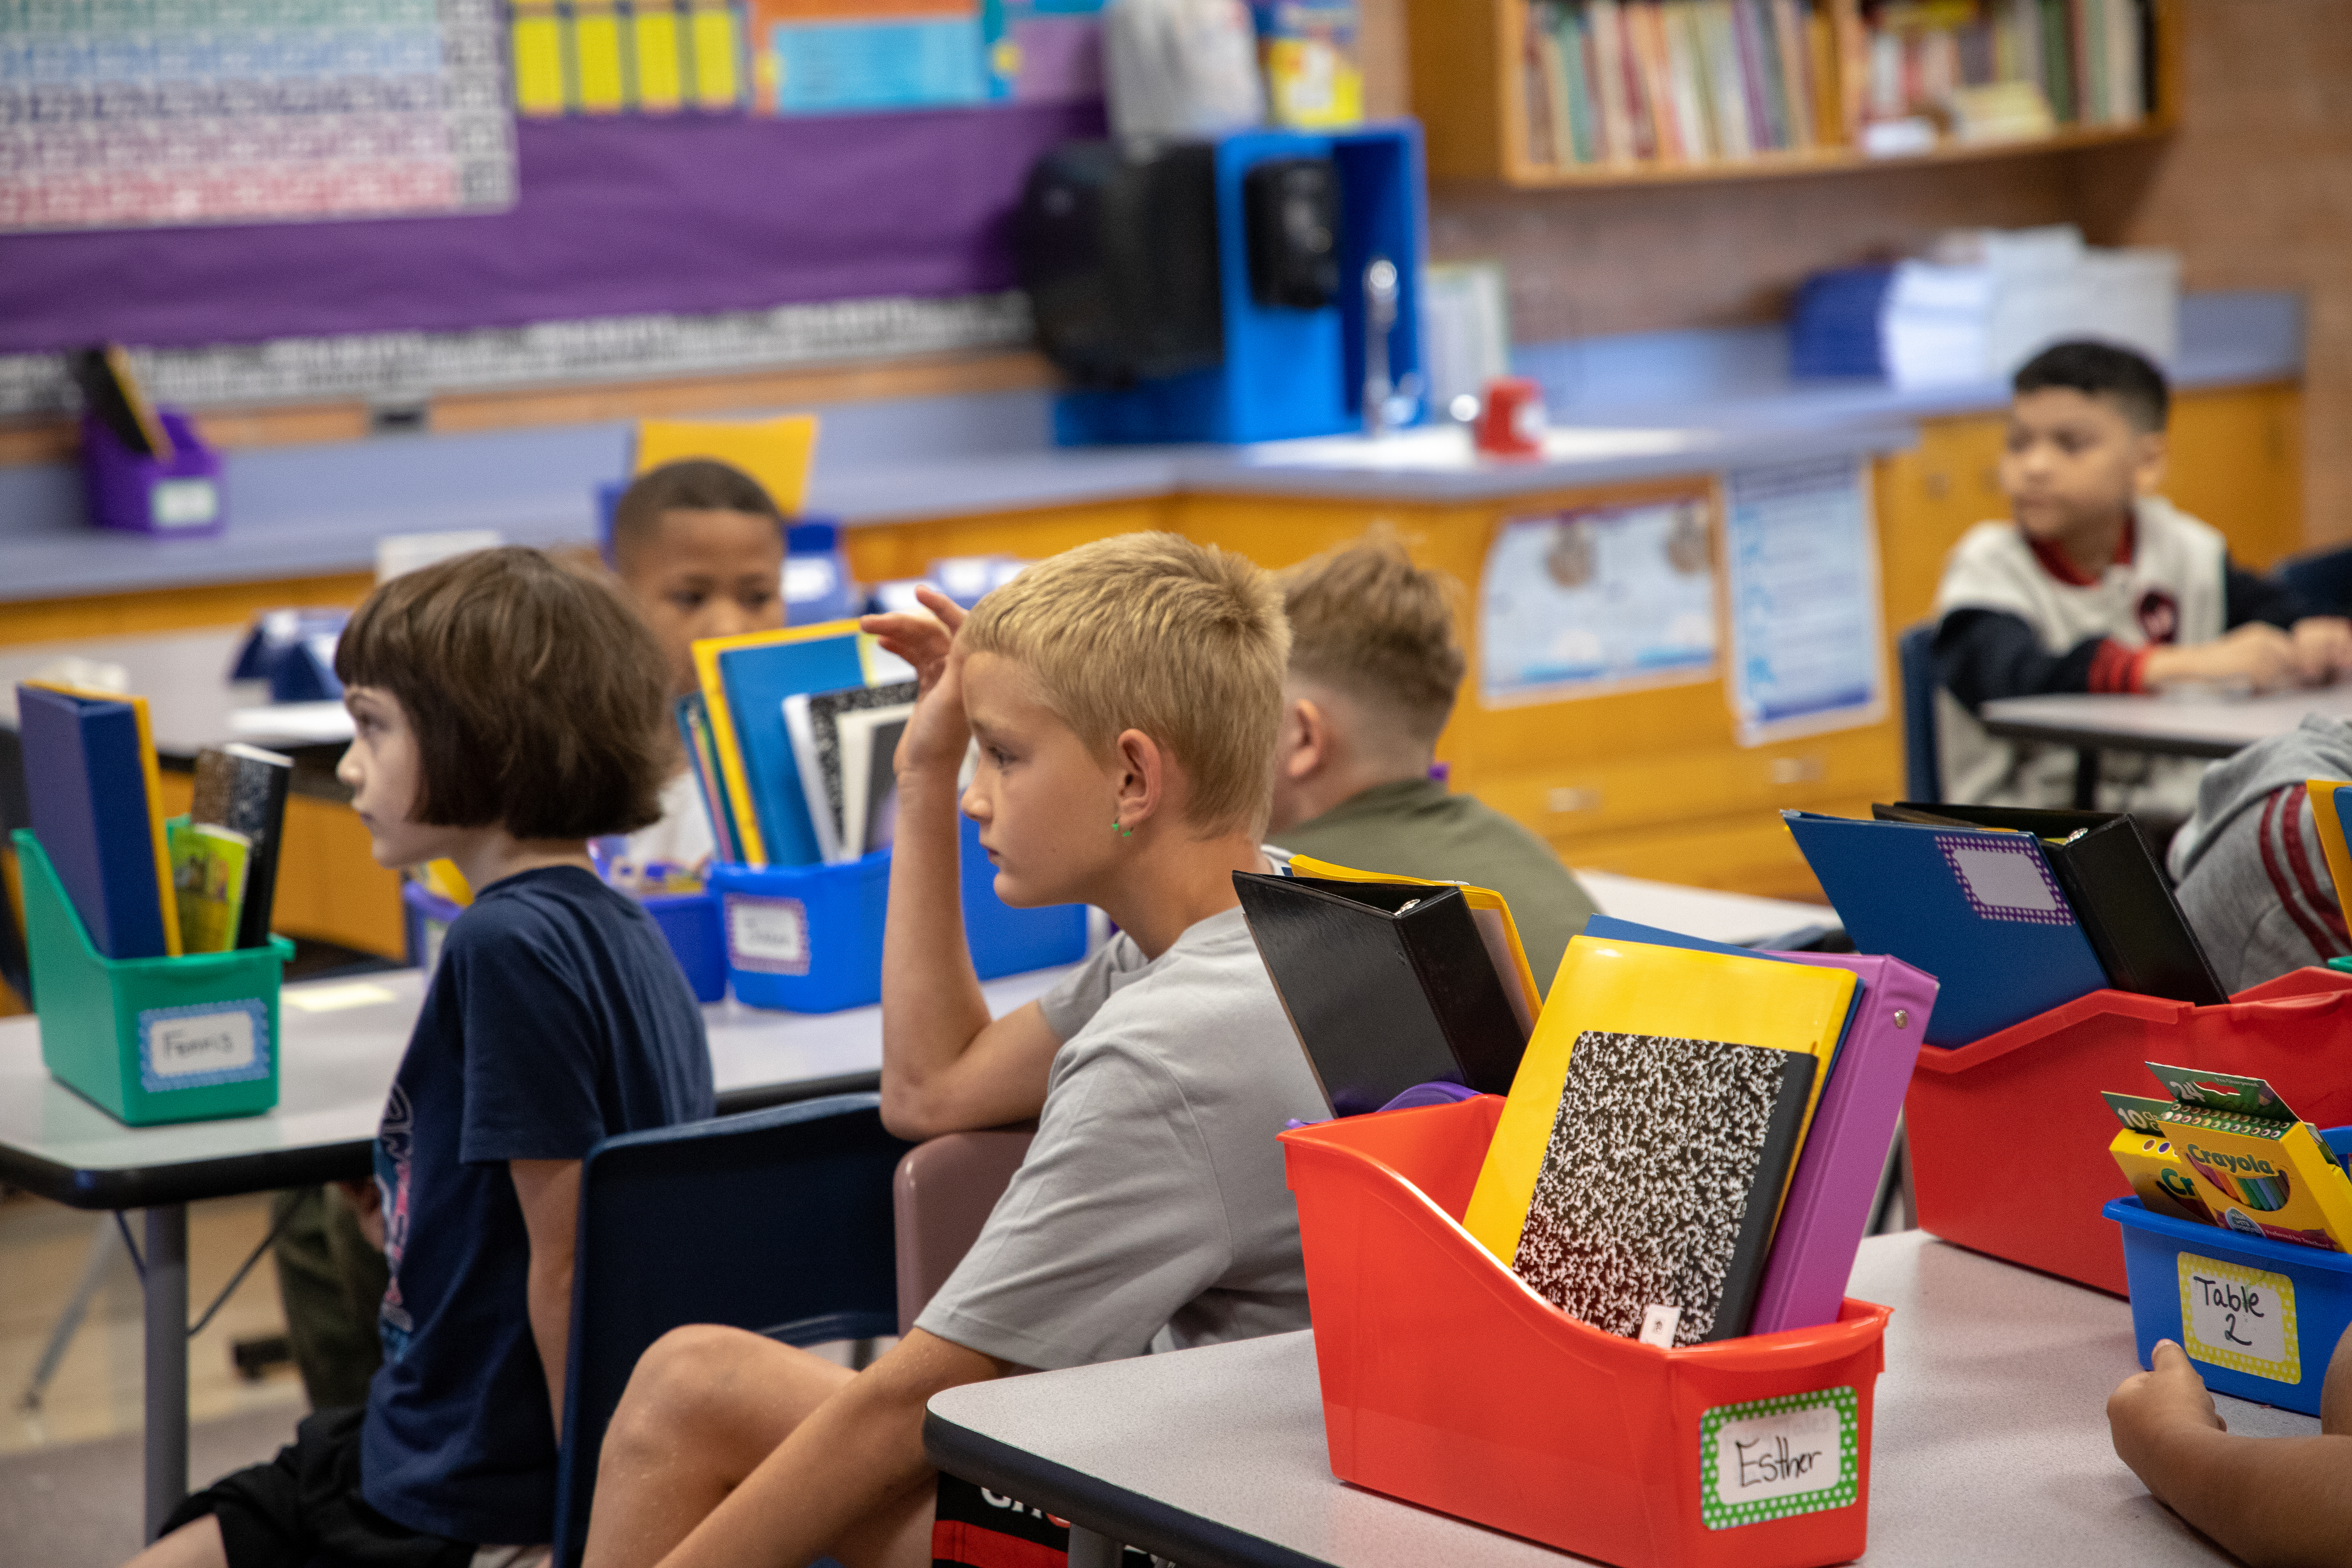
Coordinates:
(1123, 832)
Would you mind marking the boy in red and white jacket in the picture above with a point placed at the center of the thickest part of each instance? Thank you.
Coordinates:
(2097, 584)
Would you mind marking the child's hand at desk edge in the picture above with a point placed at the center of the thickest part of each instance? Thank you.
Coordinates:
(938, 735)
(2257, 652)
(2271, 1502)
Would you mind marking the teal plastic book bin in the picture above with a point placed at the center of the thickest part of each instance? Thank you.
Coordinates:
(150, 1040)
(808, 939)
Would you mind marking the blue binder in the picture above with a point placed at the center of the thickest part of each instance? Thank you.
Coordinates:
(85, 788)
(1980, 910)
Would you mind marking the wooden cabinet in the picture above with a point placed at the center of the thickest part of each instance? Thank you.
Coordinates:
(1471, 69)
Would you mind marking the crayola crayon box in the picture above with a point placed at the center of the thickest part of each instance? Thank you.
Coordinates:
(2159, 1178)
(2258, 1168)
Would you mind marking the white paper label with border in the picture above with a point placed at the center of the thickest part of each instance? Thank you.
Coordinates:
(1769, 1459)
(205, 1044)
(767, 936)
(2240, 1318)
(183, 503)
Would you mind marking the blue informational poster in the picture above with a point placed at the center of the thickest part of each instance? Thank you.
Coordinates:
(1801, 557)
(1583, 603)
(914, 62)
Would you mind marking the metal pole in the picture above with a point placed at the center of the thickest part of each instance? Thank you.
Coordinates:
(1088, 1549)
(167, 1363)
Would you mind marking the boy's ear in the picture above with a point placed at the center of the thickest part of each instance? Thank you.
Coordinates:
(2149, 453)
(1305, 738)
(1144, 781)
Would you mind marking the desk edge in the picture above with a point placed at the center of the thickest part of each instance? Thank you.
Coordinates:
(1095, 1503)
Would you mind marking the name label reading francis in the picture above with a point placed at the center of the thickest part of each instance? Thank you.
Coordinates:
(208, 1043)
(1769, 1459)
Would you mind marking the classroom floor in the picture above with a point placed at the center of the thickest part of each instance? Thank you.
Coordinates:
(69, 1471)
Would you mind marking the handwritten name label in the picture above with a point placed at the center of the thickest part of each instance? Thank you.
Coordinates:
(769, 936)
(209, 1042)
(1769, 1459)
(2240, 1318)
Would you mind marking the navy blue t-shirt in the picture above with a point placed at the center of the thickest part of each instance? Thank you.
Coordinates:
(557, 1017)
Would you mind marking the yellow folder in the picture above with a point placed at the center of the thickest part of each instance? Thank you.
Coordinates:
(2323, 816)
(1500, 933)
(1624, 987)
(776, 452)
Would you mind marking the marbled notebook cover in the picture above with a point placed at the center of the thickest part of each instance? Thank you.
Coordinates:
(1659, 1186)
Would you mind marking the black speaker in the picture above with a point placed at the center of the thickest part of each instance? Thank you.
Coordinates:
(1290, 218)
(1119, 252)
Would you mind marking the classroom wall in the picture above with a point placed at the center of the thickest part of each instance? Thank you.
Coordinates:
(2255, 190)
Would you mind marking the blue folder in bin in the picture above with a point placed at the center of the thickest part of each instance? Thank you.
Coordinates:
(1980, 910)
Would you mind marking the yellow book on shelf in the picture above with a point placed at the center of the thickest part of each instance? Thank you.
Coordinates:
(596, 57)
(1631, 988)
(718, 76)
(776, 452)
(1500, 931)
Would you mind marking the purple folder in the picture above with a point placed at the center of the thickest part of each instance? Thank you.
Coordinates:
(1829, 1202)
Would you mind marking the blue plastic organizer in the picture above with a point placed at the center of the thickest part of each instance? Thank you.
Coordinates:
(808, 939)
(2302, 1306)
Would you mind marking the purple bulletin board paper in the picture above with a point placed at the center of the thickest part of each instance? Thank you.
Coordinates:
(690, 214)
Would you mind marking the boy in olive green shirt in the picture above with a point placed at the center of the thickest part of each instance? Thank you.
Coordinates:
(1373, 670)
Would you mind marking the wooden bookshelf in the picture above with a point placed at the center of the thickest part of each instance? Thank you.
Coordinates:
(1469, 91)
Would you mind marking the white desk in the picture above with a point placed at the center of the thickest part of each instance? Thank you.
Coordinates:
(1736, 918)
(2174, 726)
(1990, 1441)
(334, 1069)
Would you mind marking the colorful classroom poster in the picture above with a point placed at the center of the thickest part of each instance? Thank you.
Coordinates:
(243, 110)
(1583, 603)
(1802, 559)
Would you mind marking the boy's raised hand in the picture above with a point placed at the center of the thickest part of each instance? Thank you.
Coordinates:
(937, 736)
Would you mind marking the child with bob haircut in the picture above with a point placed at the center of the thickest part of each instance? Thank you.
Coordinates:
(1124, 696)
(506, 710)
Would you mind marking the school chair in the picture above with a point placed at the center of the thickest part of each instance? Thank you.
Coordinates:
(1915, 656)
(777, 1220)
(2324, 578)
(940, 1197)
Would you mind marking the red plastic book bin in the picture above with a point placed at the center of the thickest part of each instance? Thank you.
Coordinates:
(2009, 1136)
(1449, 1384)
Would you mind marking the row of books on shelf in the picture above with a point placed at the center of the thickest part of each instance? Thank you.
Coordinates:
(1694, 1135)
(143, 885)
(1677, 83)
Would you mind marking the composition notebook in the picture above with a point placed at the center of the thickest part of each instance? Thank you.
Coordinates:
(93, 793)
(2110, 877)
(1660, 1182)
(1980, 911)
(1835, 1185)
(1634, 988)
(1387, 984)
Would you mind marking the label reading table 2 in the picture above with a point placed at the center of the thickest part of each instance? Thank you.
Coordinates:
(2240, 1318)
(1769, 1459)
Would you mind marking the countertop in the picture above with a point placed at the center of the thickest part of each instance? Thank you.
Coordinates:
(1632, 407)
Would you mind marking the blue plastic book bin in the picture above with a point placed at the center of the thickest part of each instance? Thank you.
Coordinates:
(808, 939)
(689, 921)
(2259, 1318)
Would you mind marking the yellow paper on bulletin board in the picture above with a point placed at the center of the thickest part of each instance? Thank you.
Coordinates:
(776, 452)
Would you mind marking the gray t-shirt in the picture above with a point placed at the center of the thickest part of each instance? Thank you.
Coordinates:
(1153, 1193)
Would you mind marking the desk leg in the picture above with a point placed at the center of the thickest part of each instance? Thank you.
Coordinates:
(167, 1363)
(2086, 779)
(1088, 1549)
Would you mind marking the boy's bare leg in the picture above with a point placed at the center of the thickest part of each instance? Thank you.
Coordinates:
(197, 1544)
(706, 1407)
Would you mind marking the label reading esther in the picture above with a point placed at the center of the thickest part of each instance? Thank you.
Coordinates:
(2240, 1318)
(1769, 1459)
(768, 936)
